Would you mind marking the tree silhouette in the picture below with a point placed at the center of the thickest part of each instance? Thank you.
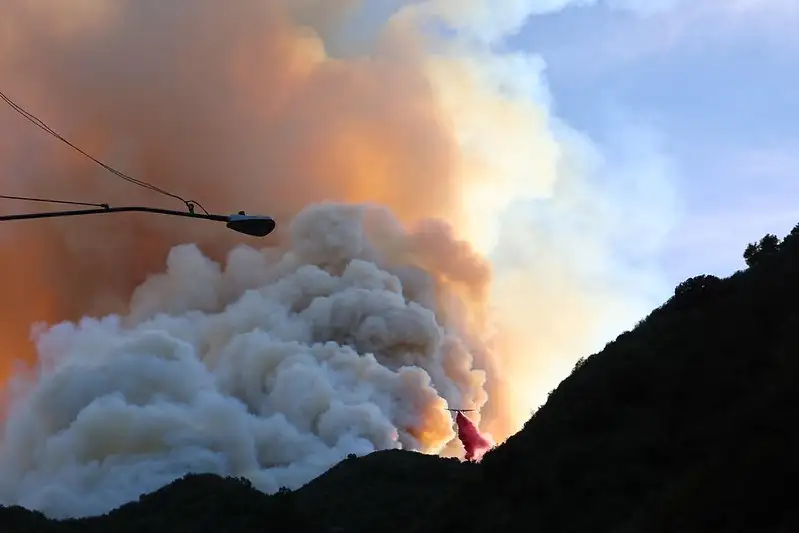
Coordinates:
(756, 253)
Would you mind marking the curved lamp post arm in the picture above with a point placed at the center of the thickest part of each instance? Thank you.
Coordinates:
(253, 225)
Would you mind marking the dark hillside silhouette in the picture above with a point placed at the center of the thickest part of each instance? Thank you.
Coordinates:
(684, 424)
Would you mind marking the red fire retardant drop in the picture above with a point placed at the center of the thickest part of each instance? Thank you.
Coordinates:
(473, 442)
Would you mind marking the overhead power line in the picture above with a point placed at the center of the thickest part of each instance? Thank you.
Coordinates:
(190, 204)
(51, 201)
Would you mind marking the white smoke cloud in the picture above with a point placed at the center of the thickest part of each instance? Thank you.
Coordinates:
(274, 368)
(567, 226)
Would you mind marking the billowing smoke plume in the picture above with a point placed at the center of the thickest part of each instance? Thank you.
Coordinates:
(235, 106)
(274, 368)
(363, 319)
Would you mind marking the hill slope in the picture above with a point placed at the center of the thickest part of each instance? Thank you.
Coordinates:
(683, 424)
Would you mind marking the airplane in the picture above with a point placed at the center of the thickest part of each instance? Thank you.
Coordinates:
(461, 410)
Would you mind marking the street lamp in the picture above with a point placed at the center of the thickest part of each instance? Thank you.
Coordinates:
(253, 225)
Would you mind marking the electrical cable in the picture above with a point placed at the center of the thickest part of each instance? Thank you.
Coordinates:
(190, 204)
(52, 201)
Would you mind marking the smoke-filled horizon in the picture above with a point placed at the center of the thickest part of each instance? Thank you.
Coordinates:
(388, 293)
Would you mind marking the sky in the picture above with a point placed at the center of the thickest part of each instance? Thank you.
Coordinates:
(713, 86)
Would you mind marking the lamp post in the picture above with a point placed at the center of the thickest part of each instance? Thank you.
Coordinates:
(253, 225)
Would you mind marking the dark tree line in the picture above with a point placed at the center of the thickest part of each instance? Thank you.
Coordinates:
(683, 424)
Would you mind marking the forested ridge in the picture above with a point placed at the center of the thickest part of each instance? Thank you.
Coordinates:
(686, 423)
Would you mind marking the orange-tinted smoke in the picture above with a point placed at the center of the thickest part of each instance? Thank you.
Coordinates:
(233, 104)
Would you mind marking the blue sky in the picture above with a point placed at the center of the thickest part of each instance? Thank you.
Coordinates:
(716, 85)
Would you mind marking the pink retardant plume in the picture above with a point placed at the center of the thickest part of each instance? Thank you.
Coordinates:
(473, 442)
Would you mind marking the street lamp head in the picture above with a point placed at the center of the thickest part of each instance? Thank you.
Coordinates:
(253, 225)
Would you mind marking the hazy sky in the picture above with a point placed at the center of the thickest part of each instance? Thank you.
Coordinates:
(714, 83)
(690, 105)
